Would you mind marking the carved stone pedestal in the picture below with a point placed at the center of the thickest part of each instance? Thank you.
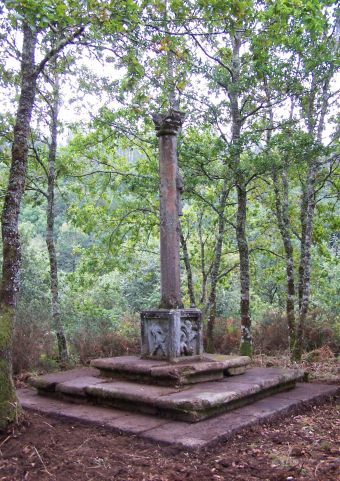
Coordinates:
(171, 334)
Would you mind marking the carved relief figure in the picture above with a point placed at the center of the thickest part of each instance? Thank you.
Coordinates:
(157, 338)
(188, 334)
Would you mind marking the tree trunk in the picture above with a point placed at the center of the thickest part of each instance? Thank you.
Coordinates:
(283, 221)
(211, 319)
(308, 208)
(215, 269)
(307, 215)
(10, 283)
(204, 273)
(187, 264)
(56, 316)
(241, 187)
(246, 336)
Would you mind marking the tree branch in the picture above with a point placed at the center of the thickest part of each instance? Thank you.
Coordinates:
(54, 51)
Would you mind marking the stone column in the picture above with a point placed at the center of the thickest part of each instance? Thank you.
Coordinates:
(168, 126)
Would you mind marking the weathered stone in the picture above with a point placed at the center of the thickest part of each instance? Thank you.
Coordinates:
(193, 403)
(235, 371)
(171, 333)
(178, 372)
(48, 382)
(181, 434)
(126, 364)
(76, 387)
(167, 127)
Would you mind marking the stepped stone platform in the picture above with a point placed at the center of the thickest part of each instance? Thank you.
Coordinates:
(180, 371)
(179, 434)
(189, 402)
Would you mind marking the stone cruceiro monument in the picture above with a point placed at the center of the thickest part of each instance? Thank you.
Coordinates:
(170, 331)
(172, 377)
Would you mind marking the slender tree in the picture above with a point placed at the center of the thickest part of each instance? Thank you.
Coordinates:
(10, 282)
(10, 234)
(51, 175)
(315, 106)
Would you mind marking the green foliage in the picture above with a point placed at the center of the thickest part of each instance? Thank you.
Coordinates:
(107, 187)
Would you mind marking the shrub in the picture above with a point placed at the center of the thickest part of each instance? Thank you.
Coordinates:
(322, 330)
(227, 336)
(271, 334)
(34, 346)
(105, 341)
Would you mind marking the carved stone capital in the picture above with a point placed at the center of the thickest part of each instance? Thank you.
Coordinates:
(168, 123)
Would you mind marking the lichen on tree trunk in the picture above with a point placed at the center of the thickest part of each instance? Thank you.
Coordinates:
(10, 282)
(316, 125)
(9, 407)
(56, 314)
(246, 336)
(188, 269)
(216, 266)
(307, 215)
(241, 187)
(282, 215)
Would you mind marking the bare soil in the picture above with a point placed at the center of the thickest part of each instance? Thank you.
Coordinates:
(303, 447)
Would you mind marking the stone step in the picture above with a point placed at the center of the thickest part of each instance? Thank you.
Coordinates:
(189, 403)
(182, 435)
(210, 367)
(49, 382)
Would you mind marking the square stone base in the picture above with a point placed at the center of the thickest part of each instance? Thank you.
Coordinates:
(181, 434)
(189, 403)
(171, 334)
(181, 371)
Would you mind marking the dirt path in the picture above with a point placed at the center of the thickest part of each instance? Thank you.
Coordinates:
(304, 447)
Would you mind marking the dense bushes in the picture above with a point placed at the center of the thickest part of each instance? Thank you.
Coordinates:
(322, 329)
(35, 349)
(106, 343)
(33, 344)
(271, 334)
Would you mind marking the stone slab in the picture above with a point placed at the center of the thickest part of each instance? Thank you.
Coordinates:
(193, 403)
(76, 387)
(126, 363)
(130, 391)
(48, 382)
(116, 419)
(187, 371)
(181, 434)
(190, 403)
